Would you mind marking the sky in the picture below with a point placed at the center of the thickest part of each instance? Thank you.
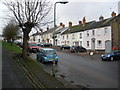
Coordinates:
(73, 11)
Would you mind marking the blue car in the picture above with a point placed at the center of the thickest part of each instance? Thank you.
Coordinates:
(111, 55)
(47, 55)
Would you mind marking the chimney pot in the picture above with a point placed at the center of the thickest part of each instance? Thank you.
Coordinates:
(113, 14)
(61, 24)
(83, 21)
(47, 28)
(101, 17)
(80, 22)
(70, 24)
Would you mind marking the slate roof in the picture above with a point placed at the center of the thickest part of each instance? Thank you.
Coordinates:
(78, 28)
(89, 25)
(50, 30)
(61, 30)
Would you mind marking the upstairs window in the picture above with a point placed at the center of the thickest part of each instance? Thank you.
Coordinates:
(80, 35)
(87, 33)
(93, 32)
(67, 37)
(63, 37)
(73, 36)
(105, 31)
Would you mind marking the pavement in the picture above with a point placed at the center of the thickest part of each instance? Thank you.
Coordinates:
(12, 76)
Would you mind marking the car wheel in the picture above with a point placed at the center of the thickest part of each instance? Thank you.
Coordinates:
(63, 49)
(111, 58)
(56, 62)
(37, 57)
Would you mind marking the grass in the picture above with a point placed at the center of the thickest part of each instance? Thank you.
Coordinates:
(14, 48)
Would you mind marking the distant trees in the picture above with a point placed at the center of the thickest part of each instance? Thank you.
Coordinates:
(10, 32)
(29, 14)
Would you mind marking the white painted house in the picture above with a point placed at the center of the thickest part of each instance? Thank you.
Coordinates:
(94, 35)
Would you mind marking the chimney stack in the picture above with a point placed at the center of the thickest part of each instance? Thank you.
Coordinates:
(113, 14)
(83, 21)
(80, 22)
(101, 17)
(70, 24)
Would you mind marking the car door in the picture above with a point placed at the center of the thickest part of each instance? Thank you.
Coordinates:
(41, 54)
(118, 54)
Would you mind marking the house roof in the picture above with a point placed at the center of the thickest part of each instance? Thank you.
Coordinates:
(101, 23)
(78, 28)
(89, 25)
(50, 30)
(61, 30)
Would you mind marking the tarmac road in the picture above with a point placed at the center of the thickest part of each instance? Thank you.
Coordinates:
(89, 71)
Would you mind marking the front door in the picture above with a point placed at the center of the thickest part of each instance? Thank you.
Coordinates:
(93, 44)
(108, 46)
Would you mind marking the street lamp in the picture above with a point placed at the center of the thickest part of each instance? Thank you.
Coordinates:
(61, 2)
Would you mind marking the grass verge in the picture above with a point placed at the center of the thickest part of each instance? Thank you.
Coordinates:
(14, 48)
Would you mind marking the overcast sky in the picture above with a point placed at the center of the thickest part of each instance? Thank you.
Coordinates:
(75, 10)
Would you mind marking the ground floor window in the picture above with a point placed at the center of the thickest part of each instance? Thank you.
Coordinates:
(80, 43)
(87, 43)
(76, 43)
(99, 43)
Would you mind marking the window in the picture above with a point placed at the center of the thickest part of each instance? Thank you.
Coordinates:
(80, 43)
(80, 35)
(87, 43)
(105, 31)
(67, 37)
(93, 32)
(73, 36)
(87, 33)
(63, 37)
(99, 43)
(38, 40)
(68, 42)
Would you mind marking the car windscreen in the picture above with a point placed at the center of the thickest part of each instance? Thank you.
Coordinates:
(50, 51)
(33, 44)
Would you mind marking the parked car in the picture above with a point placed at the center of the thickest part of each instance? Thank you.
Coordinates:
(63, 47)
(111, 55)
(20, 44)
(77, 49)
(32, 47)
(42, 44)
(47, 45)
(47, 55)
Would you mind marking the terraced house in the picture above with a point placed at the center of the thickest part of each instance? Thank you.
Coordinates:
(95, 35)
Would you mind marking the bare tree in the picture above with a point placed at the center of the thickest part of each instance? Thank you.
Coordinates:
(29, 14)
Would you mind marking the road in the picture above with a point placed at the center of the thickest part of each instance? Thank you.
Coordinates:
(88, 71)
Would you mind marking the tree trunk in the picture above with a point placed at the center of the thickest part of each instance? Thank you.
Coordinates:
(24, 49)
(25, 42)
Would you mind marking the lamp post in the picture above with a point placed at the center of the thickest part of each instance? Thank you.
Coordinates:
(61, 2)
